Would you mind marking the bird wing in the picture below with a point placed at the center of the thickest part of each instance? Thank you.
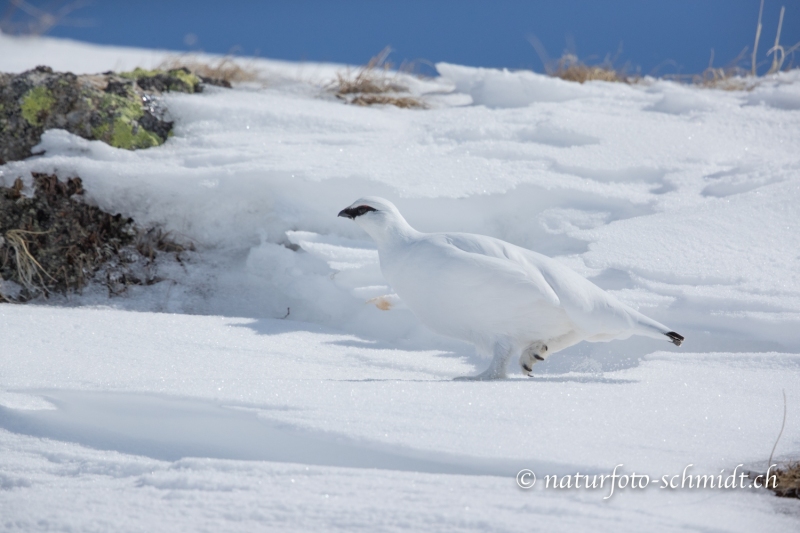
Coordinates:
(497, 249)
(592, 310)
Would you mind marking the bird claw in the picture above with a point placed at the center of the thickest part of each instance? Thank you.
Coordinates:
(531, 356)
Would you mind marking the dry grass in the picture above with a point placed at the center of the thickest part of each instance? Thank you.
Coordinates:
(570, 68)
(788, 484)
(374, 84)
(733, 77)
(404, 102)
(730, 78)
(150, 242)
(783, 481)
(29, 269)
(225, 68)
(372, 78)
(726, 79)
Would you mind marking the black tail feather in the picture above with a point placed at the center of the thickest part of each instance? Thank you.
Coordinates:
(675, 338)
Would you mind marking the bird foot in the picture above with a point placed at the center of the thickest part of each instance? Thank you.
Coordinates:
(533, 354)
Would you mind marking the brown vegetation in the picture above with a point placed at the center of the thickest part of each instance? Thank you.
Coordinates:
(224, 69)
(374, 84)
(784, 481)
(788, 481)
(404, 102)
(570, 68)
(730, 78)
(734, 77)
(53, 242)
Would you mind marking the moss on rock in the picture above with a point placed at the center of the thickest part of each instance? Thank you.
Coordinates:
(126, 134)
(138, 72)
(186, 77)
(36, 105)
(122, 110)
(120, 126)
(179, 80)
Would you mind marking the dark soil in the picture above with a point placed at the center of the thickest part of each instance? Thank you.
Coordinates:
(54, 242)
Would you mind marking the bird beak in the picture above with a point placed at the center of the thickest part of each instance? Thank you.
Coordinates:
(347, 213)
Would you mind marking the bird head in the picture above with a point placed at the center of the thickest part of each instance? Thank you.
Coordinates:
(378, 217)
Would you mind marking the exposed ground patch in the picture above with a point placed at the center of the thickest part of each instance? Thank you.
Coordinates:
(373, 84)
(54, 242)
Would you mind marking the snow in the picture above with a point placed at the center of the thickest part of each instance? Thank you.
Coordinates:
(195, 405)
(306, 405)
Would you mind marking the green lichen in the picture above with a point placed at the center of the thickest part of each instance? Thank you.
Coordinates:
(186, 77)
(140, 73)
(121, 129)
(125, 134)
(36, 102)
(186, 81)
(112, 109)
(127, 108)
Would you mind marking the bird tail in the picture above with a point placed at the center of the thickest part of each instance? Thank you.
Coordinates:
(649, 327)
(675, 338)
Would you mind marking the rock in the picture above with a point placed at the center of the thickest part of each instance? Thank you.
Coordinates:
(217, 82)
(122, 109)
(179, 79)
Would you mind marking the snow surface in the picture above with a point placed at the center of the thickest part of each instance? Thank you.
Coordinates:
(193, 405)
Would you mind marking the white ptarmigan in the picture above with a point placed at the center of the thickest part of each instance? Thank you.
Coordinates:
(504, 299)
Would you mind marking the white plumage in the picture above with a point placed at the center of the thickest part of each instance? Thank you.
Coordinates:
(504, 299)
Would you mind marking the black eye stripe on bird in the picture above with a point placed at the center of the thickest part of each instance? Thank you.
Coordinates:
(353, 212)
